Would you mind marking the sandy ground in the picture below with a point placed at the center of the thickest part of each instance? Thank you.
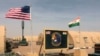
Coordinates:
(24, 50)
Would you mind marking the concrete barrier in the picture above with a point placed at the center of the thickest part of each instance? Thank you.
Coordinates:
(80, 52)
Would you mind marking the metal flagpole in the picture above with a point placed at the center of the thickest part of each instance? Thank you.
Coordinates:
(79, 32)
(31, 46)
(31, 30)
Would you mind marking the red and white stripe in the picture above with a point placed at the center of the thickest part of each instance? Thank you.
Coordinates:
(16, 13)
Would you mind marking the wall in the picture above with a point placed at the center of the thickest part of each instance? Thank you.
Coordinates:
(2, 39)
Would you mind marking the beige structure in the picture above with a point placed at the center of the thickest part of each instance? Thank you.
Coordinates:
(84, 39)
(2, 39)
(80, 52)
(28, 38)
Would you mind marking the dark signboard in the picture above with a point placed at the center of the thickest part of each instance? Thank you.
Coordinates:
(55, 39)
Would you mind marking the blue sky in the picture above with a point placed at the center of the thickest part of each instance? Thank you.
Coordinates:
(55, 14)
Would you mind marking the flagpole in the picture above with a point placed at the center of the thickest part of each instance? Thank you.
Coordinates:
(31, 46)
(31, 37)
(79, 32)
(31, 30)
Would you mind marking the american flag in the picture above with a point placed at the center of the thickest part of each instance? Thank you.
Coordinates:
(19, 13)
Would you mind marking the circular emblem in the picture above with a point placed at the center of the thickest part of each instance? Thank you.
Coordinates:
(56, 39)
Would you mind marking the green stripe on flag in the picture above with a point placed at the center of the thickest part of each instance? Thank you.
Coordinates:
(74, 24)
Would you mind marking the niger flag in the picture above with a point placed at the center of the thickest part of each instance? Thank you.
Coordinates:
(75, 22)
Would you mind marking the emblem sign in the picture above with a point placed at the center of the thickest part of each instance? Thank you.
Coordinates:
(55, 39)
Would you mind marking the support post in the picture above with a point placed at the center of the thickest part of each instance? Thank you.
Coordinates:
(23, 42)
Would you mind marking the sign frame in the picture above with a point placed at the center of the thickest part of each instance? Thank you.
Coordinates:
(55, 31)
